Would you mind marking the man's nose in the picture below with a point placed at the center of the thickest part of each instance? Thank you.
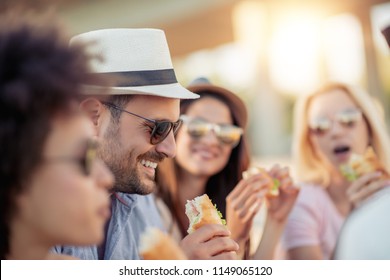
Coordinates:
(168, 146)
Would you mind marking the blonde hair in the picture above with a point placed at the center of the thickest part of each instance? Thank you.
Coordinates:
(309, 167)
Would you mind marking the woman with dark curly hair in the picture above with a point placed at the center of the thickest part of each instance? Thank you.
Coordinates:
(53, 190)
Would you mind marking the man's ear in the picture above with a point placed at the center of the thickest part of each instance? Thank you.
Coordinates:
(93, 108)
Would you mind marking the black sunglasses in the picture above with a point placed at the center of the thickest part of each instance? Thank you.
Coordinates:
(85, 162)
(161, 129)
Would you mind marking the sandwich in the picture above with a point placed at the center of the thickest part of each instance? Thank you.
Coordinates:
(156, 245)
(273, 183)
(201, 211)
(359, 165)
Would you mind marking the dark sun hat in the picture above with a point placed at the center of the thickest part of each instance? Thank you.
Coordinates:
(386, 33)
(203, 86)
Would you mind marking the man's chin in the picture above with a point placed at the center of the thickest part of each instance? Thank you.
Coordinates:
(146, 186)
(145, 190)
(141, 186)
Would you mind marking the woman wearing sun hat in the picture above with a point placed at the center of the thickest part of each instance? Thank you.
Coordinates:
(212, 154)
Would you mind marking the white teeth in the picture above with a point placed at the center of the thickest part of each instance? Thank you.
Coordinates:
(148, 163)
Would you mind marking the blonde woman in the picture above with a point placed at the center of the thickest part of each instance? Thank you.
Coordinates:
(330, 125)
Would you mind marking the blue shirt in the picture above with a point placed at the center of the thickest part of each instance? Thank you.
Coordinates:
(131, 214)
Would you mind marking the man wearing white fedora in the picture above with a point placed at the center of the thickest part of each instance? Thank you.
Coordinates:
(136, 123)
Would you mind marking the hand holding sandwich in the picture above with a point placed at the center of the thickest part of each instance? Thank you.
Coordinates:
(366, 174)
(280, 206)
(281, 193)
(365, 186)
(211, 241)
(208, 237)
(280, 197)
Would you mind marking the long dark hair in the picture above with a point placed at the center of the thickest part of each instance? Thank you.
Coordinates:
(40, 77)
(218, 185)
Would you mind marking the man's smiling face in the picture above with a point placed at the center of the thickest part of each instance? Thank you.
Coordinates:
(126, 147)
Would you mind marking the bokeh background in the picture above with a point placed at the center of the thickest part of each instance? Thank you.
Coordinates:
(267, 51)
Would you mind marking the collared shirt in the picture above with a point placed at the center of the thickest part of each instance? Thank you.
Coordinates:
(131, 214)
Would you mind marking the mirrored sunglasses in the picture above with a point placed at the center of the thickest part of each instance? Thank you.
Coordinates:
(226, 133)
(347, 118)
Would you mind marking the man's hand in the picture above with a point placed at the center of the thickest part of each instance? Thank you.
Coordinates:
(210, 242)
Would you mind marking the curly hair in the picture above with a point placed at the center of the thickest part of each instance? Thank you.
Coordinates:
(40, 77)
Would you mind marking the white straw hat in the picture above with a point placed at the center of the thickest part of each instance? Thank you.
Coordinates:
(139, 57)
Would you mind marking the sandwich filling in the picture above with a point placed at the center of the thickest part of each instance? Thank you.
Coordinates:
(201, 211)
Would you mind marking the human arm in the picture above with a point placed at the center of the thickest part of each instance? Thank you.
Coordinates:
(306, 253)
(278, 210)
(242, 204)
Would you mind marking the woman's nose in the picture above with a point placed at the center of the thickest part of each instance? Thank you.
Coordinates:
(210, 138)
(336, 128)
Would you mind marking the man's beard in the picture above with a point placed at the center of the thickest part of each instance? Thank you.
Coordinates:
(124, 164)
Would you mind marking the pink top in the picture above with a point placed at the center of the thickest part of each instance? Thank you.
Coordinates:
(314, 220)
